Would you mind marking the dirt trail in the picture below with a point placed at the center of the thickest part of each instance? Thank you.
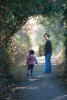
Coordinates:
(40, 86)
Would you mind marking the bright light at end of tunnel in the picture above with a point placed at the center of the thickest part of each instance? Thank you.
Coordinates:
(36, 48)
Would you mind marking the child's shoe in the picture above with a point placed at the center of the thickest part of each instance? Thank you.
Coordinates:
(27, 74)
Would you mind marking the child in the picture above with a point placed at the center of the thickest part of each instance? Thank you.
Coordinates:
(31, 59)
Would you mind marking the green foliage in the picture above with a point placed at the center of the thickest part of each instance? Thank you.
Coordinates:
(65, 44)
(14, 13)
(41, 50)
(19, 48)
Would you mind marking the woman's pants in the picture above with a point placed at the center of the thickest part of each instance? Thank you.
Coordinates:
(48, 63)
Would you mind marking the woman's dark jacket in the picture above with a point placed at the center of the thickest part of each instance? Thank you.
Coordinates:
(48, 47)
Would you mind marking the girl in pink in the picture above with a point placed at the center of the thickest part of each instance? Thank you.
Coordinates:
(31, 60)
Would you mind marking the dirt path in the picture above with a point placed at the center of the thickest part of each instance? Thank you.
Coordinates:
(40, 86)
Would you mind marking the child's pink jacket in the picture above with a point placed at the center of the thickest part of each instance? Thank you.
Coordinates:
(31, 59)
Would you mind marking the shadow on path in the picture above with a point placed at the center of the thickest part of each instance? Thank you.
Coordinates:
(40, 86)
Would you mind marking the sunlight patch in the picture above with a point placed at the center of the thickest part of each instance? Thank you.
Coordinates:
(20, 88)
(33, 79)
(60, 97)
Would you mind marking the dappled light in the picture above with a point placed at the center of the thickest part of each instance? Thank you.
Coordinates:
(31, 36)
(23, 24)
(60, 97)
(18, 48)
(33, 80)
(30, 88)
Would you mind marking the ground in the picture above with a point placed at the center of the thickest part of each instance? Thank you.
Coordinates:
(40, 86)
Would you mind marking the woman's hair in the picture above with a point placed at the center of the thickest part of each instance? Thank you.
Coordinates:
(31, 52)
(47, 35)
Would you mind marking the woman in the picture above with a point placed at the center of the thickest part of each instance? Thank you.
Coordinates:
(48, 53)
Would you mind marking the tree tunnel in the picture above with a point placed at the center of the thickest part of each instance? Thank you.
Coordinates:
(22, 25)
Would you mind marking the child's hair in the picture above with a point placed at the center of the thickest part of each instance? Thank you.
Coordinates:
(31, 52)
